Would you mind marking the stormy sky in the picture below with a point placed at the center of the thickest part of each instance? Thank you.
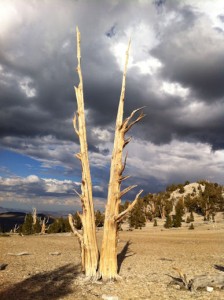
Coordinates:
(175, 70)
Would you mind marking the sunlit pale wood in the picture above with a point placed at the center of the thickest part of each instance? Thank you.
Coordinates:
(90, 253)
(108, 260)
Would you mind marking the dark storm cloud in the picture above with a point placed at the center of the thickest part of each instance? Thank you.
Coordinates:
(44, 51)
(38, 61)
(192, 53)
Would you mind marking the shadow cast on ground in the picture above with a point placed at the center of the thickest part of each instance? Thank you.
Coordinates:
(125, 252)
(219, 268)
(47, 285)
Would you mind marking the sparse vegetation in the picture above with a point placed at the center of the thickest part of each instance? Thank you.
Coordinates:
(191, 227)
(137, 217)
(190, 218)
(28, 227)
(59, 225)
(155, 223)
(169, 222)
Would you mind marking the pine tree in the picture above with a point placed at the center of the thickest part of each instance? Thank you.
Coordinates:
(99, 218)
(191, 226)
(180, 208)
(37, 227)
(192, 216)
(177, 219)
(169, 222)
(181, 189)
(27, 227)
(77, 221)
(137, 217)
(59, 225)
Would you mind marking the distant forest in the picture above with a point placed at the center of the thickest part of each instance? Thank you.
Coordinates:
(177, 204)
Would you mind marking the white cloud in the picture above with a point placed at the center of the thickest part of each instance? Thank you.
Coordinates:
(101, 134)
(35, 43)
(143, 39)
(59, 186)
(43, 193)
(26, 86)
(212, 9)
(175, 89)
(175, 161)
(148, 66)
(33, 179)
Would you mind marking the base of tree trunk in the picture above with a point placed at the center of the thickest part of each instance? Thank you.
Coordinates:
(108, 258)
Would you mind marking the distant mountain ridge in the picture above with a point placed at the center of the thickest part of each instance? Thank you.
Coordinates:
(48, 213)
(11, 218)
(6, 209)
(8, 220)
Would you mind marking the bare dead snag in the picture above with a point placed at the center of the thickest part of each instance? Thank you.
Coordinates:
(43, 225)
(34, 215)
(90, 253)
(87, 240)
(108, 260)
(16, 227)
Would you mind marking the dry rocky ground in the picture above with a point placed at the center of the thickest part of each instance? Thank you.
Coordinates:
(146, 262)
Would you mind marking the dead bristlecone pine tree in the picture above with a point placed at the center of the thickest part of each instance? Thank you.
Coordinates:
(87, 240)
(105, 266)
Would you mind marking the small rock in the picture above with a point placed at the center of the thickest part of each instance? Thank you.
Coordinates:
(177, 287)
(209, 289)
(107, 297)
(3, 266)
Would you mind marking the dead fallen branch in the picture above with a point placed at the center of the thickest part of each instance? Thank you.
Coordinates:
(204, 281)
(200, 281)
(19, 254)
(55, 253)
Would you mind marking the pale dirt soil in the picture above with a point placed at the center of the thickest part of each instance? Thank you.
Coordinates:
(147, 258)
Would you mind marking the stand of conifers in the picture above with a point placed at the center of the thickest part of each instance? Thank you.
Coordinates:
(103, 265)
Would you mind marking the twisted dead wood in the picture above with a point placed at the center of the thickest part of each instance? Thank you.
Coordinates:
(200, 281)
(88, 241)
(108, 260)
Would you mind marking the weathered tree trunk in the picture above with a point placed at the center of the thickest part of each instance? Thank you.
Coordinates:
(43, 225)
(108, 260)
(34, 216)
(88, 243)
